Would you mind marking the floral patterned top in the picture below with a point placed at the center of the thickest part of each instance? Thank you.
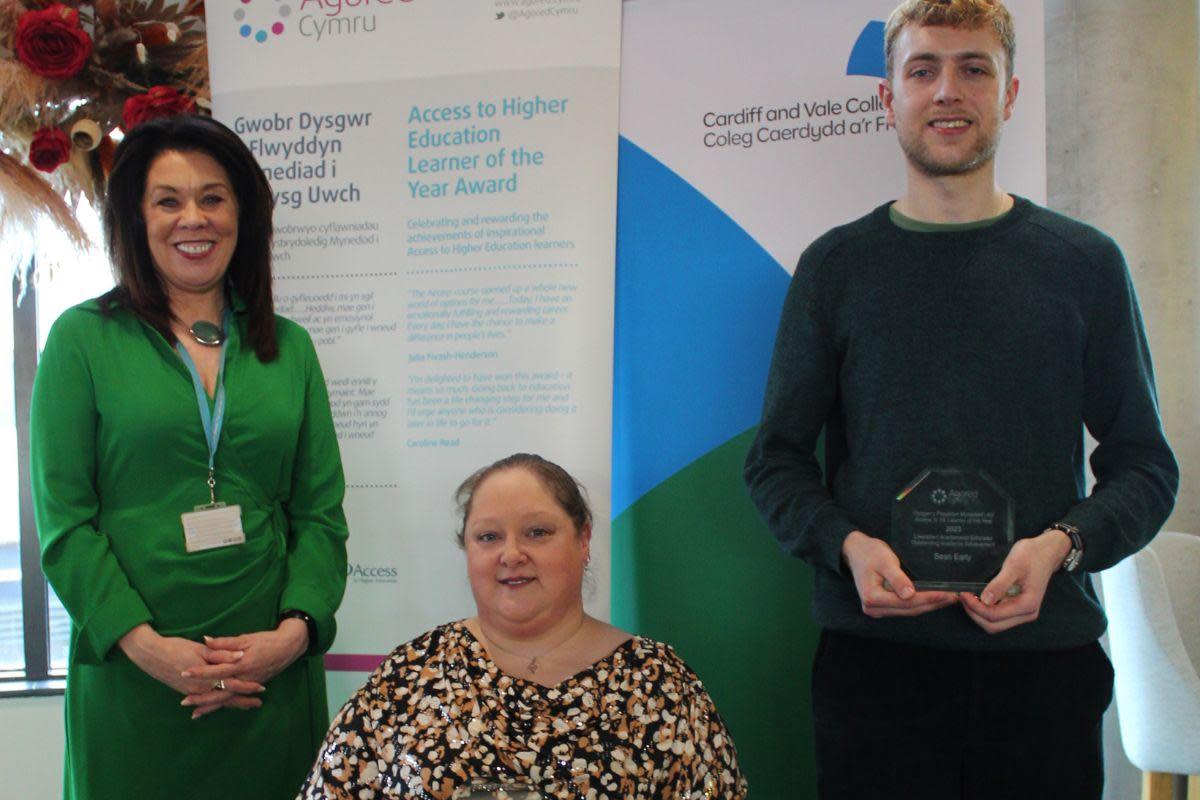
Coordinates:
(439, 716)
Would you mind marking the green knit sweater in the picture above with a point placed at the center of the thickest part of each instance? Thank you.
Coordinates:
(990, 348)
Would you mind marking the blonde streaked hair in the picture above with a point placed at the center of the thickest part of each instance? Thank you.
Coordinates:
(971, 14)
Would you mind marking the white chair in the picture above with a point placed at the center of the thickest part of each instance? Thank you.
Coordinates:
(1153, 604)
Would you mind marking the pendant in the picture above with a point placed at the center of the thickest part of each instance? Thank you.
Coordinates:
(532, 666)
(206, 333)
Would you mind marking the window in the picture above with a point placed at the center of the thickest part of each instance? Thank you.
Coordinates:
(33, 624)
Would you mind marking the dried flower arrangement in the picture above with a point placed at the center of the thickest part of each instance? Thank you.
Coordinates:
(73, 73)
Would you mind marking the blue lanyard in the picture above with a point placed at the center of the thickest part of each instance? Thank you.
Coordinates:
(214, 419)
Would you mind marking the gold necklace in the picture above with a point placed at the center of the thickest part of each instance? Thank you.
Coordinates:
(533, 666)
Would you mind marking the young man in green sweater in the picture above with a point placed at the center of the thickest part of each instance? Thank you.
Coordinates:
(960, 327)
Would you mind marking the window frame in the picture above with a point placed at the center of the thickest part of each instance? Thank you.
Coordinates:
(37, 679)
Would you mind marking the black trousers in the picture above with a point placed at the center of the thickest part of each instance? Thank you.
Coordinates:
(903, 722)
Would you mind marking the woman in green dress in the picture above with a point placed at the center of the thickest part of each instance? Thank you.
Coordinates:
(188, 490)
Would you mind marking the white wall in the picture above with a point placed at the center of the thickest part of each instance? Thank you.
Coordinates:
(1123, 153)
(31, 755)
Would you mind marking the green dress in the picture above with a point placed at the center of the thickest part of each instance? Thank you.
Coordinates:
(118, 454)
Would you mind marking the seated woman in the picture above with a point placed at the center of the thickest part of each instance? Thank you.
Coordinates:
(532, 692)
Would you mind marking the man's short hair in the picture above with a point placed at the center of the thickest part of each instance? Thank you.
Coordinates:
(972, 14)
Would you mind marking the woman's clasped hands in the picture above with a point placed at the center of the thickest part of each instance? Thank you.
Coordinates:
(224, 672)
(237, 668)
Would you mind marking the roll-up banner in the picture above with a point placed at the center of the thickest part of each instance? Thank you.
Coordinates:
(445, 185)
(747, 130)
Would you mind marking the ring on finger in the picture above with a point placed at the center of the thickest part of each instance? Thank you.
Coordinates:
(219, 685)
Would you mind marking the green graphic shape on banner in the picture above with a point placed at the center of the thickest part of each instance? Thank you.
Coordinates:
(694, 566)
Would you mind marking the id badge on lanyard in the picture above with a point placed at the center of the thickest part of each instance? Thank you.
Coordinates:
(212, 524)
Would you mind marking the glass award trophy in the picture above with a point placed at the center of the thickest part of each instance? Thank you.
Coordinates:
(497, 790)
(952, 529)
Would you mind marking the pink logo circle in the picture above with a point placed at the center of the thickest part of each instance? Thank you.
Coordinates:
(256, 24)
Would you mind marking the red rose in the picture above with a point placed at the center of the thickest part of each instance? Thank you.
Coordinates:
(51, 43)
(160, 101)
(50, 148)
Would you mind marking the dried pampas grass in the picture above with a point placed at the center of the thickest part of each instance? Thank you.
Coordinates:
(23, 90)
(25, 196)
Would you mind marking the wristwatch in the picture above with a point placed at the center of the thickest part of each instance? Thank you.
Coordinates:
(293, 613)
(1075, 554)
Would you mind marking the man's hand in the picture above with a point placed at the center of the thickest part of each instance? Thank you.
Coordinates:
(1014, 596)
(263, 655)
(883, 588)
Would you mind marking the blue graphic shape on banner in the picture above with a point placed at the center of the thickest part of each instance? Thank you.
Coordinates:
(867, 56)
(697, 302)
